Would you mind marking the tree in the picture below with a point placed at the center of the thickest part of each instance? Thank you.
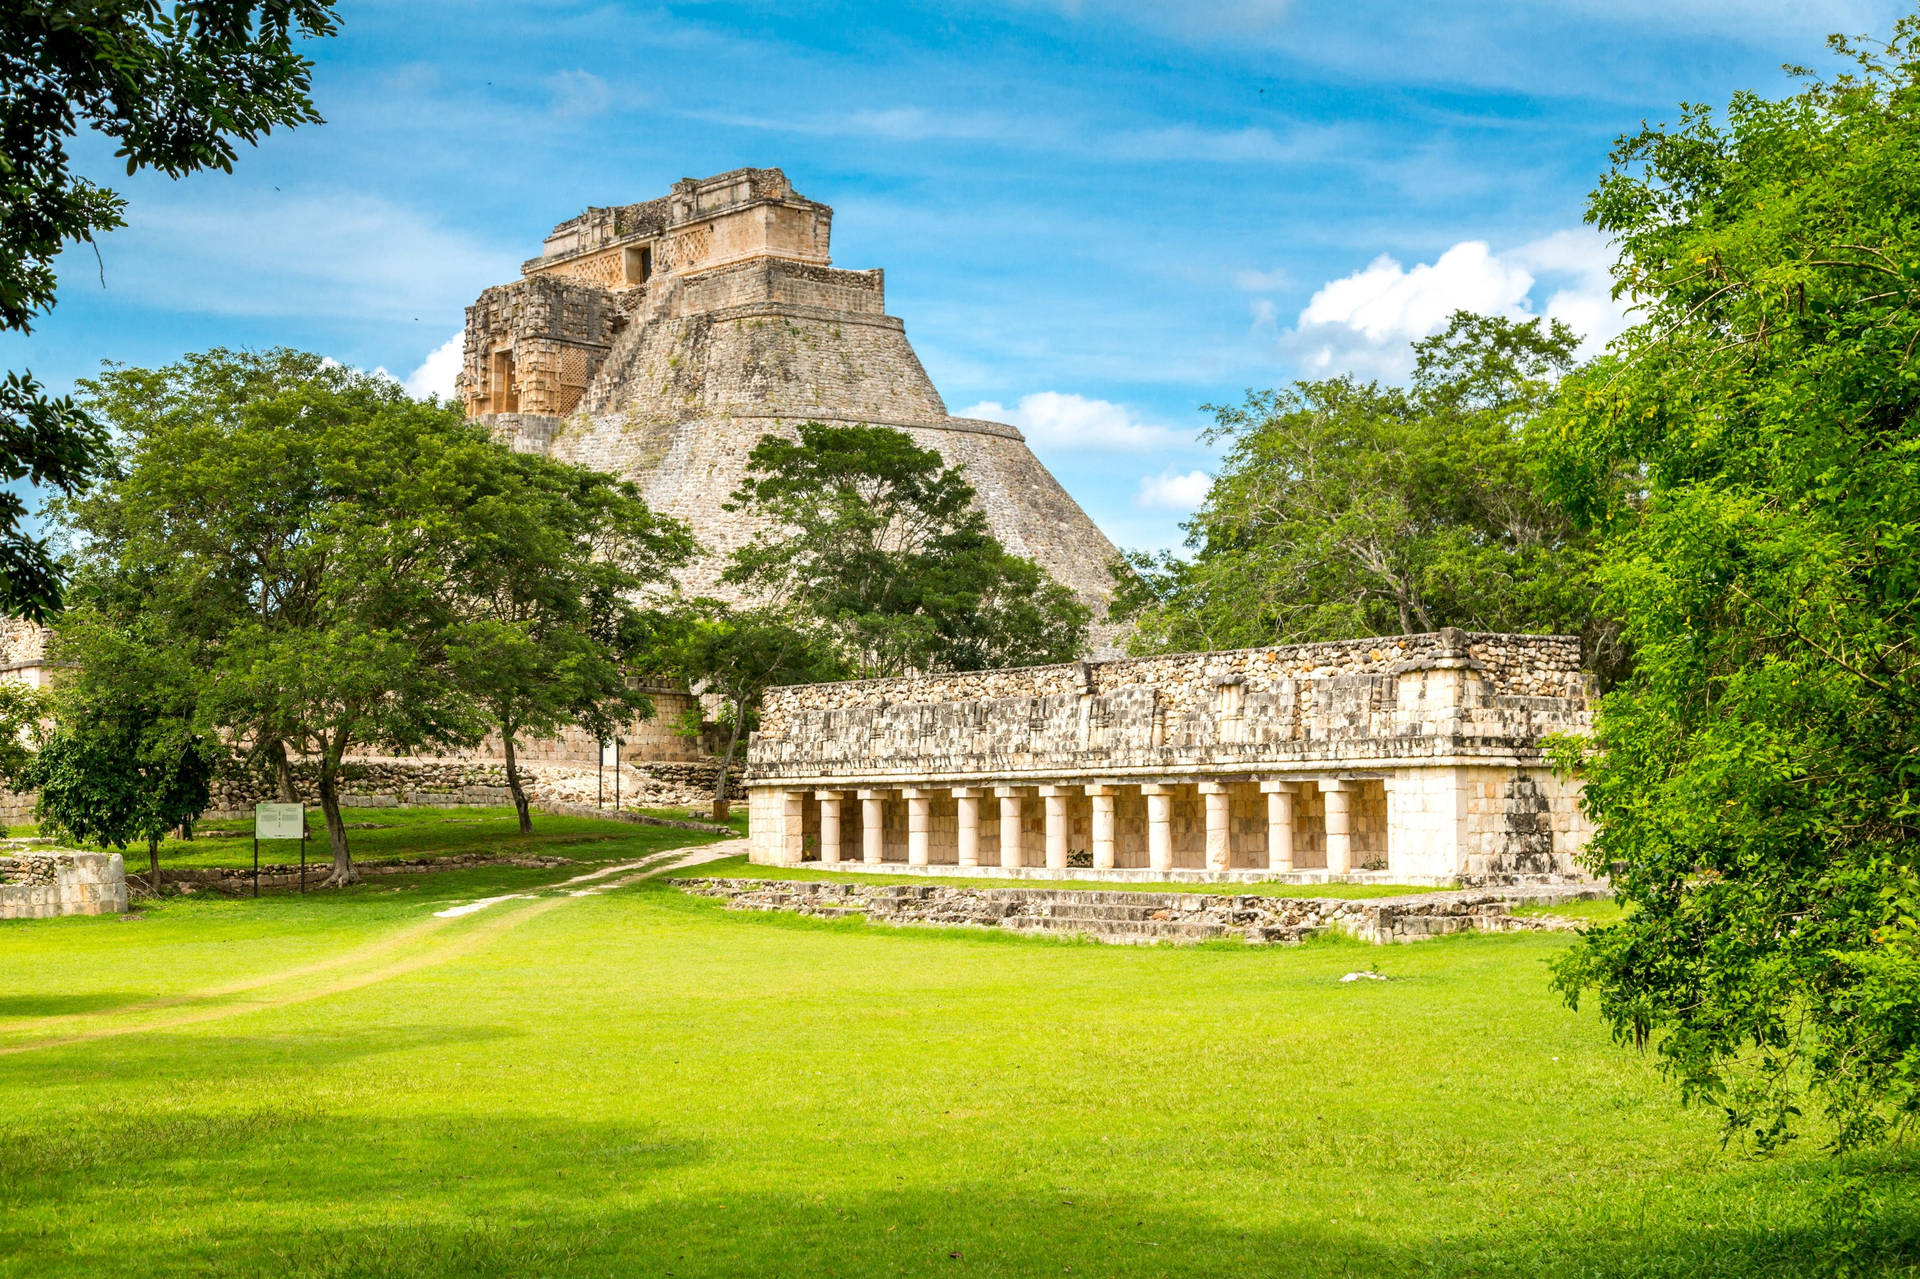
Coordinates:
(878, 543)
(737, 655)
(1751, 455)
(299, 528)
(553, 561)
(1344, 509)
(176, 87)
(124, 758)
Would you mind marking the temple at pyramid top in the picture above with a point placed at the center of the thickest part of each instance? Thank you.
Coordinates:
(659, 341)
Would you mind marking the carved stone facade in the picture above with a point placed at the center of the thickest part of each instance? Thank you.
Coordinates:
(659, 341)
(1415, 759)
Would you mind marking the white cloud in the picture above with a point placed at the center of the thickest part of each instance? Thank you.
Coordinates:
(1388, 303)
(579, 94)
(1173, 491)
(1366, 322)
(1062, 422)
(436, 373)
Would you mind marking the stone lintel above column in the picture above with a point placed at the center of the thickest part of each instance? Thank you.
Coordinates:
(1334, 785)
(1279, 788)
(1059, 792)
(1013, 792)
(884, 792)
(1157, 788)
(920, 792)
(1213, 788)
(972, 792)
(1100, 789)
(830, 794)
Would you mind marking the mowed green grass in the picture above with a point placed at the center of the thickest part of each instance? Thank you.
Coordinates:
(391, 834)
(642, 1083)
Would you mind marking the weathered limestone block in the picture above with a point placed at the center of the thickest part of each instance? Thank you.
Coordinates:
(37, 885)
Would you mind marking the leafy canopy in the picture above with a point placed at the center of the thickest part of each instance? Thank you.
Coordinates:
(1751, 453)
(736, 655)
(125, 756)
(877, 545)
(547, 622)
(175, 86)
(297, 531)
(1343, 509)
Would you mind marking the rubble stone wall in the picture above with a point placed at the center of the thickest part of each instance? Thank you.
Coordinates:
(400, 783)
(1123, 916)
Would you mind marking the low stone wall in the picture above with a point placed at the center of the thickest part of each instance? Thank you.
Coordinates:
(1146, 917)
(39, 885)
(238, 880)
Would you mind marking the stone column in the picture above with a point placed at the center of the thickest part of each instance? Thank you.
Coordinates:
(1056, 801)
(829, 826)
(1219, 828)
(1339, 797)
(1104, 846)
(919, 823)
(1279, 824)
(967, 804)
(1159, 826)
(873, 812)
(1010, 810)
(793, 826)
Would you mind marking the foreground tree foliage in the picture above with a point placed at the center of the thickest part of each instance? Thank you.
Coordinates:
(125, 756)
(876, 545)
(1343, 509)
(1752, 453)
(344, 569)
(176, 86)
(291, 526)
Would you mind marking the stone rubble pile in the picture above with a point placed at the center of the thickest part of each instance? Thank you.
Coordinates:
(1124, 917)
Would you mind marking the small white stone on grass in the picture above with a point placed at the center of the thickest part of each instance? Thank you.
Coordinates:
(1365, 977)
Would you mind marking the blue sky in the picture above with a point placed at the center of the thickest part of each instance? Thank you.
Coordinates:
(1095, 215)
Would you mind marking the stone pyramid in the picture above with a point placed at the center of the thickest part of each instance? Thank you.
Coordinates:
(660, 341)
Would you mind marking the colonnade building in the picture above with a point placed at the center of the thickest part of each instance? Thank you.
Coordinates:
(1413, 759)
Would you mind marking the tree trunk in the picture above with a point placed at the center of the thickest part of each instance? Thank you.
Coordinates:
(513, 785)
(720, 810)
(282, 773)
(343, 871)
(153, 865)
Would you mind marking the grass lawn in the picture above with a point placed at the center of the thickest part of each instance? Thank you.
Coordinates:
(741, 868)
(642, 1083)
(387, 834)
(1602, 911)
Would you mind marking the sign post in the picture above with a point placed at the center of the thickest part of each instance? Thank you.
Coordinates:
(279, 821)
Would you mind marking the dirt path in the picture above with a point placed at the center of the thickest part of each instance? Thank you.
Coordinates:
(229, 999)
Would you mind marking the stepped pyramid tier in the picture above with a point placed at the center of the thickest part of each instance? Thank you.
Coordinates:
(659, 341)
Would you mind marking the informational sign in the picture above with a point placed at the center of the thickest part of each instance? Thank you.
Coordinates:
(279, 821)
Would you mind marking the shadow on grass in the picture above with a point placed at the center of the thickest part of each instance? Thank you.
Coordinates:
(61, 1005)
(284, 1060)
(336, 1197)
